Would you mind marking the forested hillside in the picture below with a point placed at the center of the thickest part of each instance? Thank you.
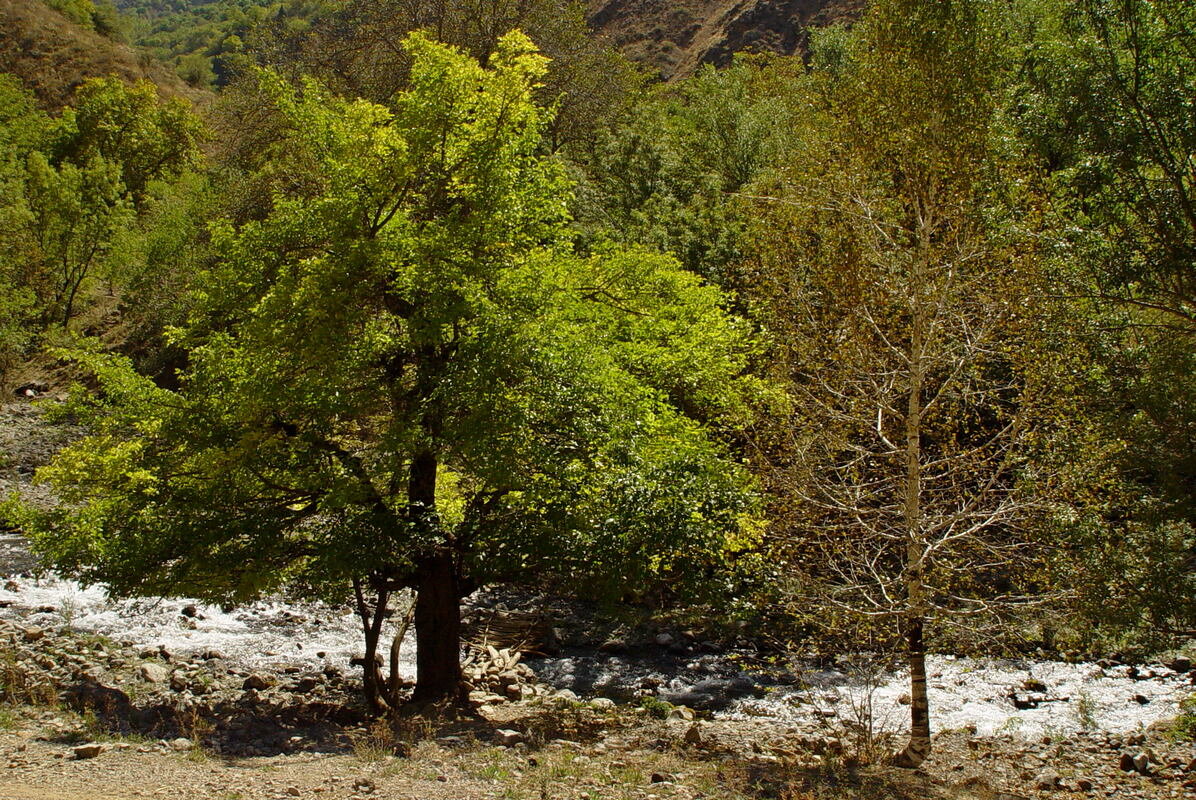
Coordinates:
(877, 347)
(53, 48)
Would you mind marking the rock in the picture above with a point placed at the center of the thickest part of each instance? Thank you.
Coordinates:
(34, 634)
(1126, 762)
(682, 712)
(904, 699)
(1034, 685)
(1181, 664)
(693, 736)
(613, 646)
(658, 777)
(190, 610)
(664, 639)
(90, 750)
(293, 791)
(1046, 780)
(11, 586)
(1085, 784)
(1141, 699)
(180, 745)
(307, 684)
(514, 692)
(257, 682)
(566, 695)
(178, 682)
(153, 673)
(603, 704)
(507, 737)
(1142, 763)
(212, 655)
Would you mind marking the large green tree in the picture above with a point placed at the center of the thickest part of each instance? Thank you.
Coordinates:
(401, 377)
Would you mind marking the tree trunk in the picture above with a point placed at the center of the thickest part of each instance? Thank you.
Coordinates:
(919, 739)
(915, 550)
(371, 623)
(438, 596)
(438, 632)
(395, 647)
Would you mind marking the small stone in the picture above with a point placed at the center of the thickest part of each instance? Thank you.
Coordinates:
(1142, 763)
(1034, 685)
(603, 704)
(153, 673)
(1141, 699)
(190, 610)
(293, 791)
(180, 745)
(11, 586)
(664, 639)
(1126, 762)
(307, 684)
(693, 736)
(90, 750)
(1181, 664)
(507, 737)
(658, 777)
(178, 682)
(1084, 784)
(34, 634)
(905, 699)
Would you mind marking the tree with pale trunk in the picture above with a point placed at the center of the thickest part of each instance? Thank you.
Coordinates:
(897, 284)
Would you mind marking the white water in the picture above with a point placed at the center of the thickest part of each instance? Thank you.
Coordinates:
(963, 692)
(267, 634)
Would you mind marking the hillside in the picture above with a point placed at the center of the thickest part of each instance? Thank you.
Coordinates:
(52, 55)
(677, 36)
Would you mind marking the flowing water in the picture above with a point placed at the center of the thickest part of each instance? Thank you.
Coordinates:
(964, 692)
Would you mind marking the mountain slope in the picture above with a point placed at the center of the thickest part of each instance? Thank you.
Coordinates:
(53, 55)
(678, 36)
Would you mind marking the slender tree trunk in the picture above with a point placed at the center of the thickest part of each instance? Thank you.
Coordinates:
(395, 647)
(915, 612)
(371, 623)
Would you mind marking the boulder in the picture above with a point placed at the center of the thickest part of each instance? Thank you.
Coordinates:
(507, 737)
(1046, 780)
(89, 750)
(153, 673)
(257, 682)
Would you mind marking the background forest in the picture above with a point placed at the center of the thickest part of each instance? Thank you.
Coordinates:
(888, 343)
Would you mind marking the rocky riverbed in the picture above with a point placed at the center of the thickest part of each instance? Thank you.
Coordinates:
(274, 681)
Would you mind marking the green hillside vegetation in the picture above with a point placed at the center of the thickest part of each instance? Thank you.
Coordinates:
(889, 348)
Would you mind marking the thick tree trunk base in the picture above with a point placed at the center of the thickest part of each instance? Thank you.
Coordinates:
(438, 635)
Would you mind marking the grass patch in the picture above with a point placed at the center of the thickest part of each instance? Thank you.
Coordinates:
(1183, 727)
